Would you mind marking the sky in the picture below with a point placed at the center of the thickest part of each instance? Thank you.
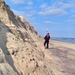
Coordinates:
(56, 17)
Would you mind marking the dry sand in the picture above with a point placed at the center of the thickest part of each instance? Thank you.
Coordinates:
(62, 60)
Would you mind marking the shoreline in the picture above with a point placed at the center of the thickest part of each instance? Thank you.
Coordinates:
(62, 41)
(63, 44)
(69, 40)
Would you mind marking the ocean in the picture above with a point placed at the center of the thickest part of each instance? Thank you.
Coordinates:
(71, 40)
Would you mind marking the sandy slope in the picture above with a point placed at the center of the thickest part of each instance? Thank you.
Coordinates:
(22, 57)
(5, 60)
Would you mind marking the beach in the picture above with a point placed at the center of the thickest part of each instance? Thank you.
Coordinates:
(62, 60)
(22, 50)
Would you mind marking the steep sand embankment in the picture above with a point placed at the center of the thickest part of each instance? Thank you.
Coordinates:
(62, 60)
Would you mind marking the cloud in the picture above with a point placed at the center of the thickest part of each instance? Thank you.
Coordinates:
(57, 9)
(70, 21)
(44, 5)
(26, 15)
(30, 3)
(17, 1)
(31, 13)
(66, 5)
(73, 1)
(17, 12)
(55, 12)
(72, 16)
(49, 22)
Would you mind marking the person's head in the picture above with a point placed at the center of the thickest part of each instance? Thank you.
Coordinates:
(47, 33)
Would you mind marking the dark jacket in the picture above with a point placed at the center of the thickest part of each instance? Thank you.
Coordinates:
(47, 37)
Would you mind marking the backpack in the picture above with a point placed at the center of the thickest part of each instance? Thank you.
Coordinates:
(47, 37)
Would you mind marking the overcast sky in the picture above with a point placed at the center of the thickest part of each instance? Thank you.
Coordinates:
(54, 16)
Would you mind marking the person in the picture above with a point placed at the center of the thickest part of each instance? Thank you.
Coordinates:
(46, 42)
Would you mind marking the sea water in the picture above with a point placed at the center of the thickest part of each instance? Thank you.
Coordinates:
(71, 40)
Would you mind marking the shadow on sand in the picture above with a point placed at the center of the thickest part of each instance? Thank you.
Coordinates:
(3, 46)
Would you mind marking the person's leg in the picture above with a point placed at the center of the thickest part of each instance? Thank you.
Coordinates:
(47, 44)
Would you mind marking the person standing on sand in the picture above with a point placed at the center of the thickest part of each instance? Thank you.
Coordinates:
(46, 42)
